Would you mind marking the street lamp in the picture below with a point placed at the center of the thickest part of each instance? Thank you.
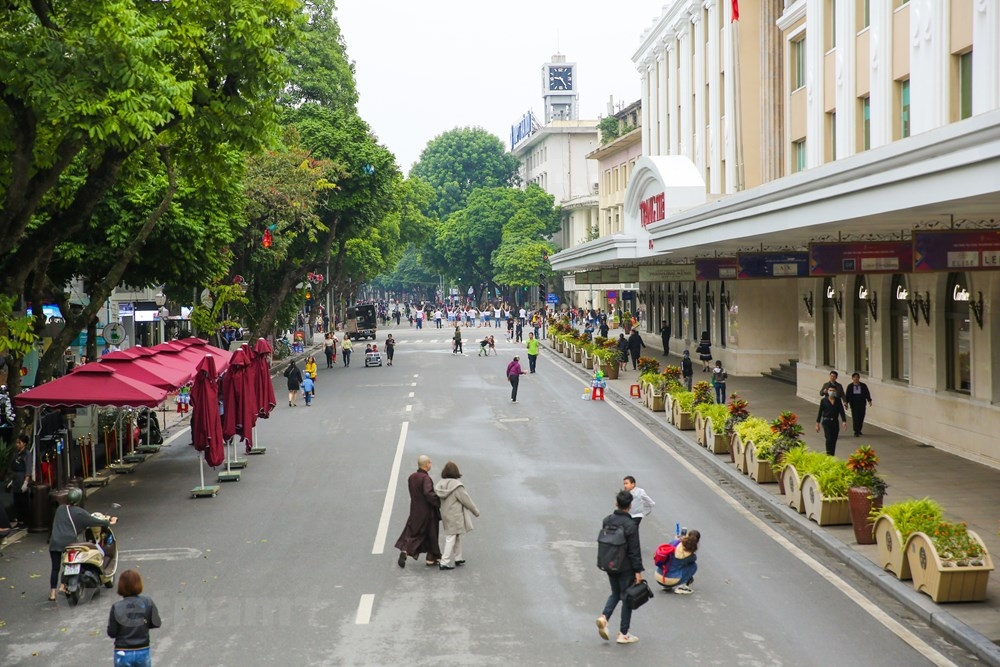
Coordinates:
(160, 299)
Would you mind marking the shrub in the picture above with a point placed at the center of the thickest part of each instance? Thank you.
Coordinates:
(647, 365)
(912, 516)
(702, 393)
(738, 412)
(863, 464)
(718, 413)
(685, 400)
(673, 373)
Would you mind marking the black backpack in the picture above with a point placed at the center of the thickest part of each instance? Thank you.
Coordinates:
(611, 552)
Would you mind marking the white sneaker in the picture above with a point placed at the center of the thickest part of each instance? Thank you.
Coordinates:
(627, 639)
(683, 590)
(602, 628)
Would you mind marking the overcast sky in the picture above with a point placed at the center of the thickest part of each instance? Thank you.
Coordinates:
(427, 67)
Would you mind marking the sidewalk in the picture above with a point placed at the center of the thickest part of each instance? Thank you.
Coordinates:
(968, 491)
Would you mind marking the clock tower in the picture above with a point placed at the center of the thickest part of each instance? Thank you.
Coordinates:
(559, 89)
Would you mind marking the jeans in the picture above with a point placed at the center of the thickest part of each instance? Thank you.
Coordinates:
(687, 381)
(532, 359)
(514, 379)
(136, 657)
(720, 392)
(347, 357)
(619, 584)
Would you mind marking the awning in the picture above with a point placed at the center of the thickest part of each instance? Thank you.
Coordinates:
(93, 384)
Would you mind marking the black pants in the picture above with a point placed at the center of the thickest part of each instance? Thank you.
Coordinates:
(56, 557)
(532, 358)
(858, 417)
(329, 357)
(831, 429)
(514, 379)
(22, 504)
(347, 357)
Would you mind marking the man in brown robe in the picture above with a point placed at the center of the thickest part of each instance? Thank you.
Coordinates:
(421, 532)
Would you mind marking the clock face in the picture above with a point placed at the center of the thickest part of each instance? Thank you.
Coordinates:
(560, 78)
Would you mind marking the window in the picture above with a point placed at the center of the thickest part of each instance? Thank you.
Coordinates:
(829, 324)
(798, 156)
(899, 325)
(864, 14)
(831, 136)
(965, 85)
(798, 63)
(830, 22)
(904, 108)
(722, 313)
(866, 123)
(958, 335)
(862, 328)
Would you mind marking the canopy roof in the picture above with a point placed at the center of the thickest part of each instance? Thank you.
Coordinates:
(93, 384)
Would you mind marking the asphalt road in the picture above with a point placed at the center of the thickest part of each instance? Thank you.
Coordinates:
(294, 565)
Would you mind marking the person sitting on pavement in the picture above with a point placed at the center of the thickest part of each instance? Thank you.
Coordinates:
(678, 573)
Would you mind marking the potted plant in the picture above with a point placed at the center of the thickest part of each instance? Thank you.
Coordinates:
(787, 434)
(796, 462)
(653, 387)
(951, 564)
(683, 403)
(713, 419)
(647, 365)
(588, 355)
(608, 358)
(746, 431)
(865, 493)
(824, 492)
(895, 523)
(738, 412)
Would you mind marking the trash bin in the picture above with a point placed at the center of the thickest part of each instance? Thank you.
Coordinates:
(41, 509)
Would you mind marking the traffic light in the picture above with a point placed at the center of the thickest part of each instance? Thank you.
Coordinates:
(542, 287)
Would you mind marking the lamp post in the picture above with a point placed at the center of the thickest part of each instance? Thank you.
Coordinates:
(160, 299)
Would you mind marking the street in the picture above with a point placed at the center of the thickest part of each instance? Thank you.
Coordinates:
(295, 565)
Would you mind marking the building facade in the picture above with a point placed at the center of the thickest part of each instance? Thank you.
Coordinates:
(850, 158)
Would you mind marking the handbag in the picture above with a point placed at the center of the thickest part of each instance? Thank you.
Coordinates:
(638, 594)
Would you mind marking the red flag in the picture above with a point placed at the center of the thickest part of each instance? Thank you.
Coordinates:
(736, 10)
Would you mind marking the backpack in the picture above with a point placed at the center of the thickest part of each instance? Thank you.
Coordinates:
(662, 557)
(611, 553)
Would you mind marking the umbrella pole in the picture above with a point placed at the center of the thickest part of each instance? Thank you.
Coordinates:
(120, 466)
(135, 454)
(228, 475)
(203, 491)
(256, 449)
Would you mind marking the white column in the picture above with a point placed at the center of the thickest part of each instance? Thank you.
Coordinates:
(985, 56)
(655, 119)
(929, 65)
(672, 87)
(685, 146)
(729, 124)
(644, 96)
(815, 38)
(880, 73)
(847, 100)
(662, 97)
(700, 102)
(714, 102)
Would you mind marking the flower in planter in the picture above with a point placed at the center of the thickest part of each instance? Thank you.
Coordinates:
(648, 365)
(787, 425)
(738, 411)
(954, 544)
(672, 373)
(863, 464)
(702, 392)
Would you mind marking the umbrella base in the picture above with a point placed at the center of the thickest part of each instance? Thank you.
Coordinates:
(258, 450)
(229, 476)
(148, 449)
(122, 468)
(134, 458)
(205, 491)
(96, 481)
(238, 465)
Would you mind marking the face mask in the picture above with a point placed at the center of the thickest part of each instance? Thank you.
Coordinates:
(831, 393)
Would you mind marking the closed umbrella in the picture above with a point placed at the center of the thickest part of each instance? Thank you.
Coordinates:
(239, 397)
(206, 425)
(265, 388)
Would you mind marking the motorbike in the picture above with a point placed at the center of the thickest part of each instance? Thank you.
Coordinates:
(149, 428)
(86, 566)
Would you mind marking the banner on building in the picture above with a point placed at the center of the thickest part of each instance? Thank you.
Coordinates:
(609, 276)
(830, 259)
(666, 273)
(716, 268)
(952, 250)
(628, 274)
(773, 265)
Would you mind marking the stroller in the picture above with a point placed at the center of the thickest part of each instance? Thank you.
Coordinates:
(372, 356)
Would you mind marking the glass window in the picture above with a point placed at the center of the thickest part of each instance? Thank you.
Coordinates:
(866, 123)
(958, 339)
(904, 108)
(695, 308)
(722, 310)
(798, 63)
(865, 14)
(829, 324)
(899, 336)
(965, 85)
(831, 24)
(862, 328)
(831, 135)
(798, 156)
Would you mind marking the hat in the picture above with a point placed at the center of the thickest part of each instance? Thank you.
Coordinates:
(686, 353)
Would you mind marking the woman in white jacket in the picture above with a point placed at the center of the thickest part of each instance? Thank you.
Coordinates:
(457, 510)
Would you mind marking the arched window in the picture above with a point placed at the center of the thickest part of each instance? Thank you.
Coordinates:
(829, 323)
(862, 327)
(958, 334)
(899, 329)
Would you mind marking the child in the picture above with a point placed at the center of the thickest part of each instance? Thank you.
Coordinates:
(307, 389)
(483, 344)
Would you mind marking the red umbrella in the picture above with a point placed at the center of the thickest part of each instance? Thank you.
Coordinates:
(93, 384)
(148, 370)
(265, 388)
(206, 427)
(239, 397)
(191, 350)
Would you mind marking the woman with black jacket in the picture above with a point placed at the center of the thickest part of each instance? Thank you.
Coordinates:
(130, 621)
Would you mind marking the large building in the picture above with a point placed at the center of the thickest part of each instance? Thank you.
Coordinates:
(820, 186)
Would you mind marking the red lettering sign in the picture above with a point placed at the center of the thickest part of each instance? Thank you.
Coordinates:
(652, 210)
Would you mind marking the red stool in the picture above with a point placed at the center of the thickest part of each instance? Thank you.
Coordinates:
(597, 393)
(633, 391)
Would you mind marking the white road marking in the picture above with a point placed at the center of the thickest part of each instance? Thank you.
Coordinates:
(172, 553)
(173, 437)
(411, 395)
(413, 384)
(513, 419)
(409, 408)
(416, 375)
(390, 493)
(365, 609)
(892, 625)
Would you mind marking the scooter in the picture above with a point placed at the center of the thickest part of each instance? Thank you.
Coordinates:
(88, 565)
(149, 421)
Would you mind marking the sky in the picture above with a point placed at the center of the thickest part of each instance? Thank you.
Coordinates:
(426, 67)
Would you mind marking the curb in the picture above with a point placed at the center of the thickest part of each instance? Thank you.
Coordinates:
(920, 605)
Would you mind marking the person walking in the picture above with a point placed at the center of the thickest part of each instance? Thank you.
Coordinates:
(328, 349)
(67, 524)
(719, 377)
(859, 399)
(20, 480)
(665, 337)
(831, 411)
(294, 376)
(345, 350)
(635, 345)
(532, 346)
(390, 348)
(622, 352)
(832, 382)
(687, 369)
(308, 390)
(514, 374)
(631, 571)
(642, 504)
(704, 351)
(130, 620)
(457, 510)
(420, 534)
(456, 347)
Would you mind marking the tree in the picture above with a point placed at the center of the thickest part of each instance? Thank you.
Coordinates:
(459, 161)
